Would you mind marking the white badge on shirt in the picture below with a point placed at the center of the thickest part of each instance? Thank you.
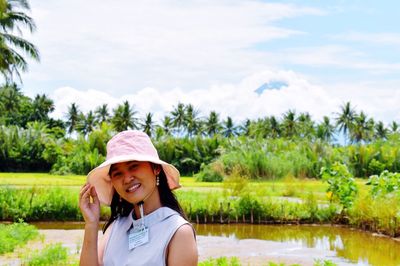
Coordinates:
(138, 236)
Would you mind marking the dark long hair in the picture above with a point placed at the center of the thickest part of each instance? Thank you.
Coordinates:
(120, 207)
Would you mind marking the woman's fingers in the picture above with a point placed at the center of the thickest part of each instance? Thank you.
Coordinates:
(84, 189)
(93, 193)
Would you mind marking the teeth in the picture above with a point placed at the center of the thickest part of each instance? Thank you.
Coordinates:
(133, 187)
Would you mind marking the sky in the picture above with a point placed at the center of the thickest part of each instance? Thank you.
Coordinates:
(244, 59)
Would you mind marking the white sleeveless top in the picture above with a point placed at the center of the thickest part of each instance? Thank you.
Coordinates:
(162, 224)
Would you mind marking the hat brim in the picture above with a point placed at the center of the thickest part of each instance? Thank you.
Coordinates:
(100, 179)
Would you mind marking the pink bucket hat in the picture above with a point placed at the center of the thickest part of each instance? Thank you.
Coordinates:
(130, 145)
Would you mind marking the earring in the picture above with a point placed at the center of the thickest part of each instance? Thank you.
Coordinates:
(120, 199)
(157, 180)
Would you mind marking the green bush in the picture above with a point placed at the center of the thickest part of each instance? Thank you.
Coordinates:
(54, 254)
(16, 235)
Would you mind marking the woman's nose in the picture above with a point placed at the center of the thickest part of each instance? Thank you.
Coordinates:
(128, 177)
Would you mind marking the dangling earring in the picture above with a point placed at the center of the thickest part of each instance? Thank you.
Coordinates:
(120, 199)
(157, 180)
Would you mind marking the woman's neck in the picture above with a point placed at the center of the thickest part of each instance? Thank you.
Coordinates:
(150, 204)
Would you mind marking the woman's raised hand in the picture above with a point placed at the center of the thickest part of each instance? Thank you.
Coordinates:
(90, 209)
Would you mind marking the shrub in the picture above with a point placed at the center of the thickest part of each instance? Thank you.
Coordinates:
(14, 235)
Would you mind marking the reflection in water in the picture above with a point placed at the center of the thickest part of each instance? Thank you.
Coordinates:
(359, 247)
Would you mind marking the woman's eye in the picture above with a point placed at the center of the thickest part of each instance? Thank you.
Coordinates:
(133, 166)
(116, 175)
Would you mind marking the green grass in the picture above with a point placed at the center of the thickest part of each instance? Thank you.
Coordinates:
(16, 235)
(41, 179)
(54, 254)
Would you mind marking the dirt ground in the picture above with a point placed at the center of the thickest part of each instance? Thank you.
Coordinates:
(249, 251)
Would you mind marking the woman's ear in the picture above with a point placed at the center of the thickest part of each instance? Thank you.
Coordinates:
(156, 169)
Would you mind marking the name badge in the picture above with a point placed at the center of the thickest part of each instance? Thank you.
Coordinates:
(138, 236)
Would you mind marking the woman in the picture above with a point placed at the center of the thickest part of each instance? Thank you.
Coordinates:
(147, 224)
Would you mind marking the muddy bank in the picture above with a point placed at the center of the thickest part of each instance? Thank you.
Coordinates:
(249, 251)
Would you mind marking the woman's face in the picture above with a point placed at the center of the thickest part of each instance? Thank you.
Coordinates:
(133, 180)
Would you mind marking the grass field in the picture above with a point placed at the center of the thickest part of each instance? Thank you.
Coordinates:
(276, 188)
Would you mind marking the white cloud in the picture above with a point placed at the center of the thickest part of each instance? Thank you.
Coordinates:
(385, 38)
(134, 44)
(240, 100)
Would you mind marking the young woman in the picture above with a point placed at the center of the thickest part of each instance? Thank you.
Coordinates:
(147, 224)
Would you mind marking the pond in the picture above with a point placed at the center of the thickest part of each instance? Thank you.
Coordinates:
(336, 243)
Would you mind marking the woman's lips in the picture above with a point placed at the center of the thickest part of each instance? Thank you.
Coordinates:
(133, 188)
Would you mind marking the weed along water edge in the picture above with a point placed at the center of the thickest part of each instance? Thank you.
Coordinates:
(258, 244)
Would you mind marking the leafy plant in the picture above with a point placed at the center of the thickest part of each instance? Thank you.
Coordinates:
(385, 183)
(341, 184)
(16, 234)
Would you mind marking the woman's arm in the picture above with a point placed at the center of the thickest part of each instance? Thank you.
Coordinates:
(182, 249)
(91, 213)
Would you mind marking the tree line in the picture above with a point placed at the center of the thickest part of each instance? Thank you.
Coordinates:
(184, 120)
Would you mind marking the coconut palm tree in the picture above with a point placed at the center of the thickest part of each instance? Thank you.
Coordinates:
(178, 117)
(212, 125)
(167, 125)
(325, 130)
(42, 106)
(394, 127)
(124, 117)
(345, 118)
(102, 114)
(361, 129)
(192, 121)
(289, 125)
(12, 46)
(275, 127)
(148, 124)
(72, 117)
(86, 123)
(229, 129)
(380, 131)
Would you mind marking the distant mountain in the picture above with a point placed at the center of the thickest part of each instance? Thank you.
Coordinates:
(273, 85)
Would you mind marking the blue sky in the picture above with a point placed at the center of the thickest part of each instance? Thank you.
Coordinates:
(215, 54)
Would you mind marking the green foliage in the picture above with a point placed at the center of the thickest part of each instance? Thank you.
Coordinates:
(221, 261)
(385, 183)
(54, 254)
(341, 184)
(320, 262)
(16, 235)
(210, 173)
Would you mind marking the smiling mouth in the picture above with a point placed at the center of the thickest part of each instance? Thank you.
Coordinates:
(133, 188)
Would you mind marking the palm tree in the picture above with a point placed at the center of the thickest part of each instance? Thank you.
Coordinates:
(325, 130)
(167, 125)
(305, 125)
(10, 96)
(42, 106)
(148, 125)
(345, 118)
(11, 45)
(394, 127)
(274, 126)
(361, 129)
(245, 128)
(212, 125)
(86, 123)
(192, 121)
(229, 129)
(124, 117)
(380, 131)
(178, 117)
(289, 125)
(72, 117)
(102, 114)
